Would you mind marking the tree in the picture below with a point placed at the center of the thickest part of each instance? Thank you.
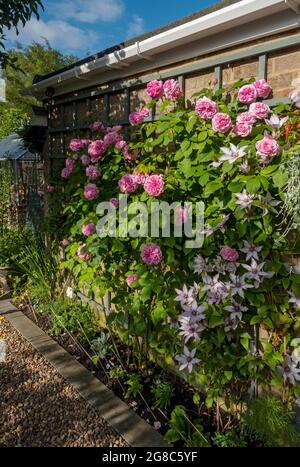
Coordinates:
(12, 13)
(35, 59)
(11, 120)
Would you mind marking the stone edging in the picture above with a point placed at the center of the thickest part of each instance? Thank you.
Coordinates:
(136, 431)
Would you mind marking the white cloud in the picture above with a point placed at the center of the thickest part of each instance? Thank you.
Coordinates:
(60, 34)
(89, 11)
(136, 26)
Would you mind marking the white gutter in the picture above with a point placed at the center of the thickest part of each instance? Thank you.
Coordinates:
(216, 22)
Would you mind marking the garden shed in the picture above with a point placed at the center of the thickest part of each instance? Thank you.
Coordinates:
(230, 40)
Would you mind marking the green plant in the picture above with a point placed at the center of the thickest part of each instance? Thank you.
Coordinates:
(117, 373)
(5, 197)
(229, 439)
(291, 206)
(13, 242)
(134, 386)
(269, 420)
(163, 394)
(101, 346)
(184, 430)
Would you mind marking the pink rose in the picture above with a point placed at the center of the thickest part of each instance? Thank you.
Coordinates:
(117, 128)
(92, 172)
(140, 178)
(154, 185)
(137, 118)
(89, 229)
(181, 215)
(242, 129)
(151, 254)
(65, 173)
(131, 279)
(64, 243)
(221, 122)
(70, 164)
(246, 117)
(91, 192)
(259, 110)
(50, 189)
(127, 184)
(267, 148)
(206, 108)
(96, 150)
(155, 89)
(114, 202)
(263, 88)
(121, 144)
(85, 256)
(145, 112)
(76, 145)
(172, 89)
(229, 254)
(247, 94)
(111, 138)
(97, 127)
(86, 160)
(130, 156)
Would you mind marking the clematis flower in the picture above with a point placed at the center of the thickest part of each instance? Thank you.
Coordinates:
(194, 312)
(185, 296)
(289, 371)
(230, 324)
(245, 167)
(251, 251)
(200, 264)
(295, 98)
(236, 310)
(294, 300)
(187, 359)
(244, 200)
(233, 153)
(190, 330)
(238, 285)
(255, 272)
(268, 203)
(276, 122)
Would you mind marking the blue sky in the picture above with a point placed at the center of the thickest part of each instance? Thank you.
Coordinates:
(81, 27)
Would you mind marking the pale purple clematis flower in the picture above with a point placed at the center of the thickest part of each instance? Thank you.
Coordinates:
(187, 359)
(190, 330)
(244, 200)
(238, 285)
(268, 203)
(200, 264)
(251, 251)
(295, 98)
(231, 323)
(172, 322)
(217, 290)
(209, 230)
(195, 312)
(185, 296)
(233, 153)
(245, 167)
(236, 310)
(289, 371)
(294, 300)
(255, 272)
(276, 122)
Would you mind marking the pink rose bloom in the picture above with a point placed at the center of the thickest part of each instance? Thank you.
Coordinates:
(65, 173)
(246, 117)
(206, 108)
(140, 178)
(92, 172)
(130, 156)
(247, 94)
(242, 129)
(86, 160)
(127, 184)
(70, 164)
(97, 127)
(96, 149)
(155, 89)
(172, 89)
(221, 122)
(121, 144)
(132, 278)
(181, 215)
(91, 192)
(50, 189)
(114, 202)
(145, 112)
(76, 145)
(267, 148)
(116, 128)
(259, 110)
(263, 88)
(154, 185)
(64, 243)
(111, 138)
(85, 142)
(229, 254)
(136, 118)
(89, 229)
(85, 256)
(151, 254)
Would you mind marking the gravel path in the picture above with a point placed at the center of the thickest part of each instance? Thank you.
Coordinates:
(38, 408)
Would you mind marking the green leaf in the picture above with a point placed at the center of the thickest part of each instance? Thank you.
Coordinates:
(172, 436)
(159, 313)
(280, 179)
(213, 186)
